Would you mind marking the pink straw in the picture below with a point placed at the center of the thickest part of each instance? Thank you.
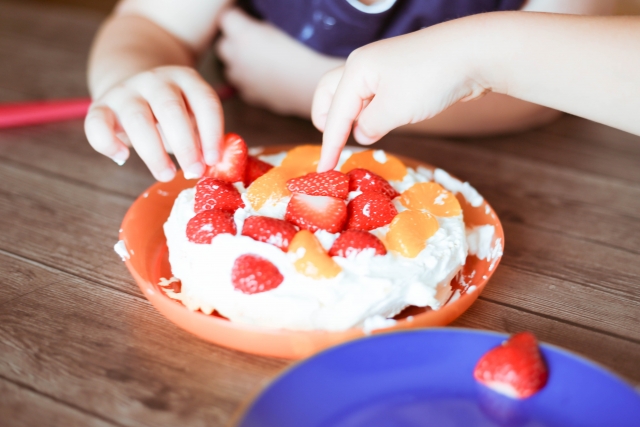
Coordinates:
(39, 112)
(32, 113)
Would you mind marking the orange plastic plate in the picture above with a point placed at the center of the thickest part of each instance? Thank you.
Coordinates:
(144, 238)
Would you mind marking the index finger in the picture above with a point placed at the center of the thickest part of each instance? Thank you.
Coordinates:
(346, 104)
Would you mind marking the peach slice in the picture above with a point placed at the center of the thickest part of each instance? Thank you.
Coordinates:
(303, 158)
(313, 260)
(377, 161)
(409, 231)
(431, 197)
(270, 187)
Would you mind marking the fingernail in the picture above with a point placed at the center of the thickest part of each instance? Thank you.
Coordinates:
(167, 175)
(194, 171)
(120, 157)
(211, 157)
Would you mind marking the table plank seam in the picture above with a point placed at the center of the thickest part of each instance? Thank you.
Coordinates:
(605, 289)
(459, 144)
(60, 401)
(555, 319)
(559, 232)
(74, 274)
(69, 180)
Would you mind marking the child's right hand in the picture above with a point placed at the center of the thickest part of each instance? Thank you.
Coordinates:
(394, 82)
(171, 97)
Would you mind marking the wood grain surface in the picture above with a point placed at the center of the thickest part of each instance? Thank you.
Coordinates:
(80, 345)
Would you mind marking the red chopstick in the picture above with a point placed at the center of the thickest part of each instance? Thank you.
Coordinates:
(40, 112)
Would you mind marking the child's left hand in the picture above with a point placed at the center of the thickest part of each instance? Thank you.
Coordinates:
(267, 66)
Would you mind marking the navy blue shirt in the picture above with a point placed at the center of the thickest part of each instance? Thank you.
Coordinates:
(336, 28)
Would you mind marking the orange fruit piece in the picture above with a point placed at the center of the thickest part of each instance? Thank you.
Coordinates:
(431, 197)
(409, 232)
(303, 158)
(314, 261)
(270, 187)
(391, 168)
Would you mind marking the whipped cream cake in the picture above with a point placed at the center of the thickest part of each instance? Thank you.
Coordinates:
(265, 240)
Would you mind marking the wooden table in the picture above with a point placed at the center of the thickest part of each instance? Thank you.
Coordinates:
(80, 345)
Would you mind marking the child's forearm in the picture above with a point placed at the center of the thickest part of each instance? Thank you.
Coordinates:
(493, 114)
(587, 66)
(129, 44)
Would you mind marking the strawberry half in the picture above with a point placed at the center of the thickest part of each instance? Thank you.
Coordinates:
(352, 242)
(365, 180)
(212, 193)
(369, 211)
(206, 225)
(252, 274)
(317, 213)
(515, 369)
(269, 230)
(330, 183)
(254, 170)
(233, 160)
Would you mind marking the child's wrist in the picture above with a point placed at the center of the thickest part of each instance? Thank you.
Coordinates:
(487, 51)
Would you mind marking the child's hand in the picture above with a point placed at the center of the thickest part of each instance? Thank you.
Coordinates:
(170, 97)
(394, 82)
(268, 67)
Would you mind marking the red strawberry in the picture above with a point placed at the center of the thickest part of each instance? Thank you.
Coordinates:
(317, 212)
(352, 242)
(254, 170)
(233, 160)
(364, 180)
(515, 369)
(370, 210)
(330, 183)
(252, 274)
(206, 225)
(269, 230)
(212, 193)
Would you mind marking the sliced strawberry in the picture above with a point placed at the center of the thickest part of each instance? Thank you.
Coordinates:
(269, 230)
(233, 160)
(254, 170)
(352, 242)
(211, 193)
(252, 274)
(330, 183)
(317, 213)
(370, 210)
(515, 369)
(365, 180)
(206, 225)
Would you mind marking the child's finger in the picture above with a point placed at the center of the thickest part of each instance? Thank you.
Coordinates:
(323, 97)
(138, 122)
(377, 119)
(100, 127)
(207, 109)
(235, 21)
(347, 103)
(170, 110)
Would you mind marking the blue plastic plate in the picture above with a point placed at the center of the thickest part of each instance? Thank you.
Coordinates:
(424, 378)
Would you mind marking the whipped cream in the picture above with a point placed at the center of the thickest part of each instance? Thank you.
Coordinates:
(369, 290)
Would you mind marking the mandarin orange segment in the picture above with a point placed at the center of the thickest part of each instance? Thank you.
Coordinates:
(303, 158)
(431, 197)
(313, 260)
(270, 187)
(409, 231)
(377, 161)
